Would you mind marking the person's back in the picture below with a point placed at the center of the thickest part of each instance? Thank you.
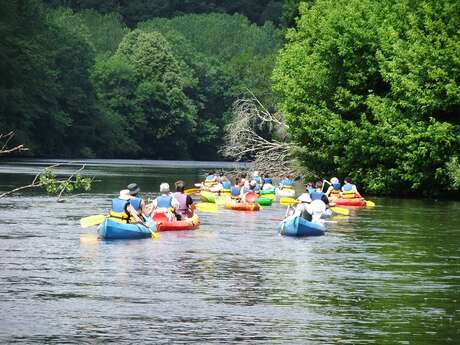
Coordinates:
(185, 208)
(165, 203)
(318, 194)
(286, 183)
(334, 189)
(349, 190)
(119, 211)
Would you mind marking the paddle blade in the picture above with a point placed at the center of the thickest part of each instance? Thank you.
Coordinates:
(370, 203)
(92, 220)
(341, 210)
(206, 207)
(155, 236)
(191, 191)
(288, 201)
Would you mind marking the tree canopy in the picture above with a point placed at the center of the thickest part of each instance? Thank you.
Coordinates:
(371, 90)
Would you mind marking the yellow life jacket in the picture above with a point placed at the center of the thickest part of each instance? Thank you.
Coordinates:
(348, 195)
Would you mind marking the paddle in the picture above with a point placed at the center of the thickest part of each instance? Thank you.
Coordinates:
(86, 222)
(206, 207)
(155, 236)
(191, 191)
(370, 203)
(339, 210)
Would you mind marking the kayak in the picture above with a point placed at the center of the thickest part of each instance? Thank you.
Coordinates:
(298, 226)
(112, 230)
(206, 196)
(356, 202)
(267, 191)
(287, 193)
(239, 206)
(163, 224)
(262, 201)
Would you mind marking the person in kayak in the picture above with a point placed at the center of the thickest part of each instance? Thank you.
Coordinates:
(301, 209)
(310, 188)
(165, 203)
(137, 203)
(211, 179)
(186, 206)
(250, 196)
(226, 184)
(318, 194)
(349, 190)
(267, 183)
(286, 183)
(236, 189)
(334, 189)
(122, 211)
(257, 178)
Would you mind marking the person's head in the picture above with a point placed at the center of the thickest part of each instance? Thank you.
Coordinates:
(124, 194)
(164, 188)
(211, 173)
(334, 180)
(243, 175)
(288, 176)
(255, 173)
(180, 186)
(133, 189)
(347, 179)
(252, 185)
(309, 185)
(319, 185)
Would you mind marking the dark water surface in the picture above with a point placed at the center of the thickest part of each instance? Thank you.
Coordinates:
(388, 275)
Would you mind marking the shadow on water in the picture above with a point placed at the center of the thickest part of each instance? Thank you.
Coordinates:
(388, 275)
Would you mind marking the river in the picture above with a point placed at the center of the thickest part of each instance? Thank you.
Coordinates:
(387, 275)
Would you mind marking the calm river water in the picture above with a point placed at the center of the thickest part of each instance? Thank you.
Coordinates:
(388, 275)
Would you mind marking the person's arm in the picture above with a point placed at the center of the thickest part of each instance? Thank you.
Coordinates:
(190, 204)
(174, 203)
(144, 209)
(153, 206)
(134, 214)
(325, 199)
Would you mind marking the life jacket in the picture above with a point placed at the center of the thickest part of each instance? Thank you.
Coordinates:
(119, 210)
(210, 180)
(335, 192)
(316, 195)
(226, 184)
(136, 204)
(182, 199)
(258, 179)
(311, 190)
(268, 180)
(348, 191)
(287, 183)
(164, 201)
(235, 190)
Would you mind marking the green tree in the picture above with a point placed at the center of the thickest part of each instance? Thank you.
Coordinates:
(142, 85)
(370, 90)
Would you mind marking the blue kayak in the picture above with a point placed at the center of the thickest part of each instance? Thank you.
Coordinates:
(113, 230)
(298, 226)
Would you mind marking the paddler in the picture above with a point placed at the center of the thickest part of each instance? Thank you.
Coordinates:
(268, 183)
(186, 206)
(122, 211)
(318, 194)
(257, 178)
(349, 190)
(236, 189)
(211, 179)
(286, 183)
(334, 189)
(165, 203)
(137, 203)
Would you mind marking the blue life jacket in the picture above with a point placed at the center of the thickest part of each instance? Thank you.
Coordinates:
(257, 179)
(235, 190)
(268, 180)
(336, 186)
(316, 195)
(164, 201)
(347, 187)
(136, 203)
(226, 184)
(119, 205)
(287, 182)
(210, 177)
(311, 190)
(119, 211)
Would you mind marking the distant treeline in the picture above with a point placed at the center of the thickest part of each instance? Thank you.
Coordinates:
(82, 83)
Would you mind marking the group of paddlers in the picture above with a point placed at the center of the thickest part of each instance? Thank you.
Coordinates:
(128, 207)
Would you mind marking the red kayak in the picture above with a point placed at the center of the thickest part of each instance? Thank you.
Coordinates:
(240, 206)
(356, 202)
(163, 223)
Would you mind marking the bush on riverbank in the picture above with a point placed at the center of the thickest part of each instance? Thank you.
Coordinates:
(370, 90)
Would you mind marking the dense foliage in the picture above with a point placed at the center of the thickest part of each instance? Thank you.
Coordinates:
(83, 84)
(371, 90)
(135, 11)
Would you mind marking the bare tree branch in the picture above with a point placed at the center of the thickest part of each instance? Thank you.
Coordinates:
(6, 138)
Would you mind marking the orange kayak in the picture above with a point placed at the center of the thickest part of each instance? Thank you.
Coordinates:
(240, 206)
